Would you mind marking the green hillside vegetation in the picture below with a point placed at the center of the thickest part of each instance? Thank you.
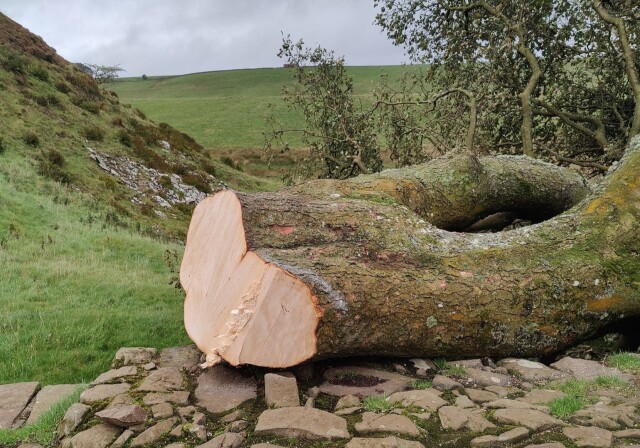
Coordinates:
(227, 111)
(88, 263)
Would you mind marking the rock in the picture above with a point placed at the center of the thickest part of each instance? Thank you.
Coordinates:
(532, 371)
(387, 442)
(423, 366)
(266, 445)
(603, 422)
(452, 417)
(301, 422)
(341, 381)
(180, 397)
(164, 379)
(233, 416)
(103, 392)
(541, 396)
(585, 436)
(199, 418)
(422, 415)
(621, 414)
(281, 390)
(47, 397)
(176, 432)
(501, 391)
(512, 436)
(397, 424)
(162, 410)
(628, 434)
(402, 370)
(484, 378)
(115, 374)
(135, 355)
(182, 358)
(149, 366)
(348, 401)
(514, 404)
(175, 445)
(238, 426)
(154, 433)
(348, 411)
(464, 402)
(442, 382)
(468, 363)
(30, 445)
(480, 396)
(199, 432)
(530, 418)
(122, 439)
(13, 399)
(124, 416)
(584, 369)
(428, 399)
(547, 445)
(99, 436)
(226, 440)
(222, 388)
(121, 400)
(72, 418)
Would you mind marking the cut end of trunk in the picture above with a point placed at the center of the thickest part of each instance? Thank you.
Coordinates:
(239, 307)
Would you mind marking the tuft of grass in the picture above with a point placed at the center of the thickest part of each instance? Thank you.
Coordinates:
(625, 361)
(43, 431)
(421, 384)
(610, 381)
(377, 403)
(448, 369)
(567, 405)
(93, 133)
(31, 139)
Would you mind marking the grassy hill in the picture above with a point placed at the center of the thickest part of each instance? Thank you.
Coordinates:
(226, 110)
(95, 200)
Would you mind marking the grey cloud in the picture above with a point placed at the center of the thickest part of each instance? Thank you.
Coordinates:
(162, 37)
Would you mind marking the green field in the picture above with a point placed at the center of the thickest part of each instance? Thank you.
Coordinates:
(227, 109)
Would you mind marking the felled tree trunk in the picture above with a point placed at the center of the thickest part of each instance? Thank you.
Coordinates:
(358, 267)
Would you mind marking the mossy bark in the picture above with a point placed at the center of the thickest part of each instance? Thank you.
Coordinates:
(388, 282)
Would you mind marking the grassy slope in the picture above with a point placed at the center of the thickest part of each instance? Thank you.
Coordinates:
(227, 109)
(81, 276)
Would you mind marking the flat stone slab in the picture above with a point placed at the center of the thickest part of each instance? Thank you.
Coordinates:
(99, 436)
(183, 358)
(154, 433)
(627, 434)
(530, 418)
(226, 440)
(179, 397)
(531, 371)
(506, 403)
(124, 416)
(453, 417)
(387, 442)
(135, 355)
(397, 424)
(589, 436)
(47, 397)
(73, 418)
(584, 369)
(103, 392)
(115, 374)
(428, 399)
(13, 399)
(480, 396)
(281, 390)
(352, 380)
(164, 379)
(301, 422)
(443, 383)
(547, 445)
(541, 396)
(512, 436)
(485, 378)
(222, 389)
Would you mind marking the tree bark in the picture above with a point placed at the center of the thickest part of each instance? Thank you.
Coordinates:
(358, 267)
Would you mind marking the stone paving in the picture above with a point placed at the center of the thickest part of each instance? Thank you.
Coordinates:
(163, 399)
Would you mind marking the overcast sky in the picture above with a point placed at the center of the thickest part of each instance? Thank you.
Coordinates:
(167, 37)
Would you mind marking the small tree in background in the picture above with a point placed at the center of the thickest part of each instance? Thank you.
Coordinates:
(339, 132)
(104, 73)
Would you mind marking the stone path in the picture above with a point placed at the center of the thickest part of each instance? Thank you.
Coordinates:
(163, 399)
